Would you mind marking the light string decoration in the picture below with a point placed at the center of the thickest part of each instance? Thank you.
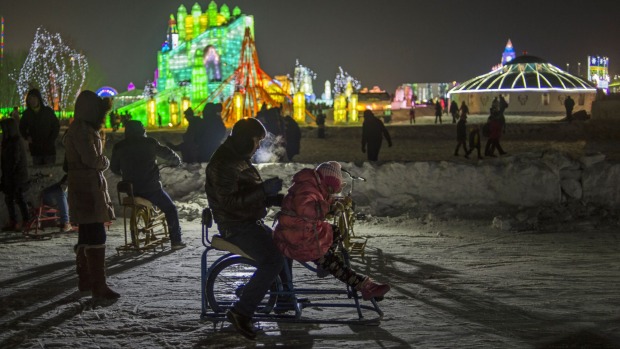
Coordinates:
(56, 69)
(343, 80)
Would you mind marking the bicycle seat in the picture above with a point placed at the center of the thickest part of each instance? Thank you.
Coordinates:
(218, 243)
(129, 199)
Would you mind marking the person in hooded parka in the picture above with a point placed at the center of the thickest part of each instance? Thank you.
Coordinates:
(89, 201)
(40, 127)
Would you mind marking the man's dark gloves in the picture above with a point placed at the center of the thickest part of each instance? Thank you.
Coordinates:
(275, 200)
(272, 186)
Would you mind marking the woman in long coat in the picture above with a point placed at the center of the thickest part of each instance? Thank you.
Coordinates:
(89, 202)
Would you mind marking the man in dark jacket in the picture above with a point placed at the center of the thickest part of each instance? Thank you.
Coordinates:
(239, 198)
(373, 132)
(461, 136)
(40, 127)
(135, 158)
(14, 174)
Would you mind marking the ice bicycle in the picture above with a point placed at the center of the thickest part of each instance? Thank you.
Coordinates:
(223, 280)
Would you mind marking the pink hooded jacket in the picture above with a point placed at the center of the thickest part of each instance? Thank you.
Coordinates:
(302, 232)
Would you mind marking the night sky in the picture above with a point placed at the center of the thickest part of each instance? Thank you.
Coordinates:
(382, 43)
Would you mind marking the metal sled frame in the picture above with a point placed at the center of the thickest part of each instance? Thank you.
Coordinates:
(147, 224)
(343, 297)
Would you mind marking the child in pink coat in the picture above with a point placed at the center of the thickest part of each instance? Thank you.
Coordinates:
(304, 234)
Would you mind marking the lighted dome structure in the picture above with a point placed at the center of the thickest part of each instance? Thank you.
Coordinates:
(530, 84)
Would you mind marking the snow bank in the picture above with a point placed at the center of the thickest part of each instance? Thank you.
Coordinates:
(524, 180)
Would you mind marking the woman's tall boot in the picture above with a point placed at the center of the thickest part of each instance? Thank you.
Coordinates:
(95, 255)
(81, 267)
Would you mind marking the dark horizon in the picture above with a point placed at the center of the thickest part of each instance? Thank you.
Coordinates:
(384, 44)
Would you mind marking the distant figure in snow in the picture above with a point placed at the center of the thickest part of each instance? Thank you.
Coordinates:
(373, 131)
(320, 123)
(461, 136)
(569, 104)
(412, 114)
(503, 105)
(438, 111)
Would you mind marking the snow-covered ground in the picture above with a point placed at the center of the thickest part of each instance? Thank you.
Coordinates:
(513, 252)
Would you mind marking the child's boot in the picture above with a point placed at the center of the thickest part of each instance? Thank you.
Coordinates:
(370, 289)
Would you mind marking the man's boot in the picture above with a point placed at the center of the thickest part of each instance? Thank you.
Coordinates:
(81, 267)
(370, 289)
(95, 256)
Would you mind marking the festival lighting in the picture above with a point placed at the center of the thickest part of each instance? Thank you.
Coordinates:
(238, 103)
(174, 112)
(340, 109)
(55, 68)
(299, 107)
(151, 112)
(353, 113)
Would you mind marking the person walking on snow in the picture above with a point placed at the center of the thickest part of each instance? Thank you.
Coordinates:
(454, 111)
(373, 131)
(89, 201)
(302, 232)
(461, 136)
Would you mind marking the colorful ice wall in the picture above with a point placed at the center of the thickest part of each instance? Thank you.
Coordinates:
(201, 49)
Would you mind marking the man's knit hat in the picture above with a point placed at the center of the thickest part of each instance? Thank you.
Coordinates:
(332, 175)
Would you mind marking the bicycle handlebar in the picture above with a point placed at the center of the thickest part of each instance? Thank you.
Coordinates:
(355, 178)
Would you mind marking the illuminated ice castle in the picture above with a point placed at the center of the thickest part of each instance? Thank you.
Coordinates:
(200, 49)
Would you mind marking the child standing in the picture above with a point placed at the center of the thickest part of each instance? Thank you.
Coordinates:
(304, 234)
(14, 174)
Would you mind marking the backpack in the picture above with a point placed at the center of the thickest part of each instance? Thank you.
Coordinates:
(486, 129)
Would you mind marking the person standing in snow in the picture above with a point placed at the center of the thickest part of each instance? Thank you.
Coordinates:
(135, 158)
(302, 232)
(89, 201)
(14, 174)
(438, 111)
(292, 135)
(238, 198)
(320, 123)
(40, 127)
(569, 104)
(373, 131)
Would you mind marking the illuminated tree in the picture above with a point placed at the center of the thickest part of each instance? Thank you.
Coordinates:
(9, 71)
(55, 68)
(302, 79)
(342, 80)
